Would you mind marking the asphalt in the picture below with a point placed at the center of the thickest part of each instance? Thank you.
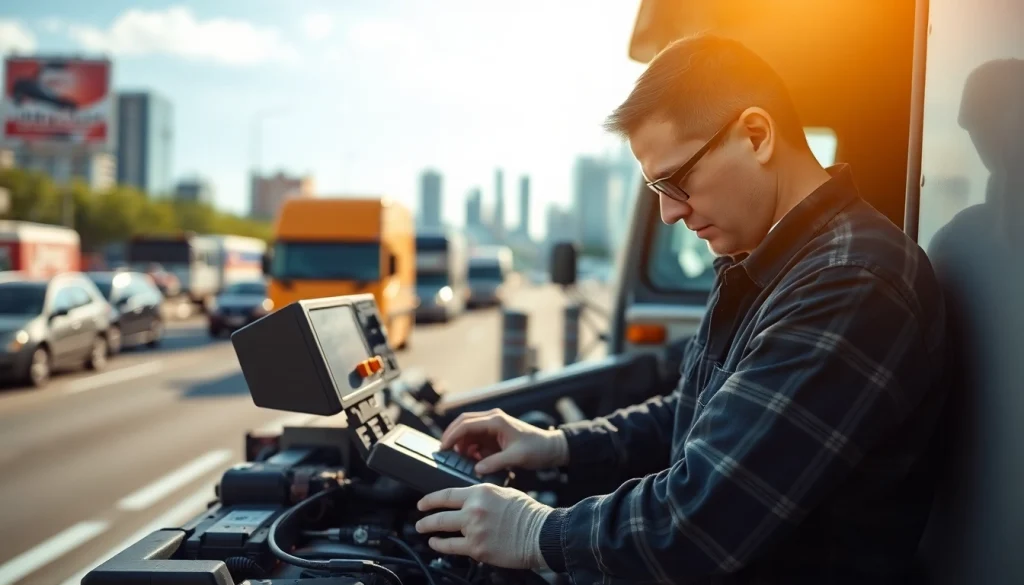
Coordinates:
(97, 460)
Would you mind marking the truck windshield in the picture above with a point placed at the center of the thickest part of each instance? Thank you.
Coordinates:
(431, 244)
(326, 261)
(22, 298)
(485, 272)
(163, 252)
(432, 279)
(679, 261)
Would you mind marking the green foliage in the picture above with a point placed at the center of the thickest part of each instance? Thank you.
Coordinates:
(113, 215)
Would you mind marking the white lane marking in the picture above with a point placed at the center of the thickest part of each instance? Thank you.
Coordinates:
(176, 516)
(292, 420)
(114, 377)
(161, 488)
(49, 550)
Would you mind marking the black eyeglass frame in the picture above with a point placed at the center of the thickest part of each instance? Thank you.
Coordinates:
(670, 186)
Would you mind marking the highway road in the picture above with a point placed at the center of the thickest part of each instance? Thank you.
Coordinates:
(97, 460)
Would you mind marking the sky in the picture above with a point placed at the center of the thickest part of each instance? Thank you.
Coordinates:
(362, 94)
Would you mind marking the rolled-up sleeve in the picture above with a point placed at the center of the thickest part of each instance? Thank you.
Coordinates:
(831, 371)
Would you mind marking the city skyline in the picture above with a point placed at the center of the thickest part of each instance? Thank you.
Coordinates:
(361, 97)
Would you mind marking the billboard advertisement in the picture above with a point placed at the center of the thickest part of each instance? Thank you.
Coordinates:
(54, 100)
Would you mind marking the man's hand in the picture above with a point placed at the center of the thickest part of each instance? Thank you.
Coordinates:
(500, 526)
(501, 442)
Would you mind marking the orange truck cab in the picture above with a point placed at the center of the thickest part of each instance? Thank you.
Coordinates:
(340, 246)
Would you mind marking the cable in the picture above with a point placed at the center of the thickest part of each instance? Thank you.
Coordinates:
(415, 556)
(396, 561)
(328, 565)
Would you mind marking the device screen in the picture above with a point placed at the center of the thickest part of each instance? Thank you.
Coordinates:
(341, 340)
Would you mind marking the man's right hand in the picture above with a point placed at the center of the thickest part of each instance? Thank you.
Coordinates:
(500, 442)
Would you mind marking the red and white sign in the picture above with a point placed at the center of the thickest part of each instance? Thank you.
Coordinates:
(37, 250)
(53, 100)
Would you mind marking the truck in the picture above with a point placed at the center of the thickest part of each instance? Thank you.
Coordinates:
(489, 269)
(442, 267)
(203, 264)
(38, 250)
(328, 246)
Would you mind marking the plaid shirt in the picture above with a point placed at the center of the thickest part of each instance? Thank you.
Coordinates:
(794, 447)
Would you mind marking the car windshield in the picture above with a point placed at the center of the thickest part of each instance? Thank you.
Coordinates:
(485, 272)
(358, 261)
(247, 288)
(22, 298)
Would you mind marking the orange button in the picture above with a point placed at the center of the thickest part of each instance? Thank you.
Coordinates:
(364, 368)
(376, 364)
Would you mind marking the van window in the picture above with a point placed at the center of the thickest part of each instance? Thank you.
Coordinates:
(679, 261)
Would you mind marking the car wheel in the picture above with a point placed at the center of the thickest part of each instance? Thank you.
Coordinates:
(98, 354)
(156, 333)
(39, 368)
(115, 341)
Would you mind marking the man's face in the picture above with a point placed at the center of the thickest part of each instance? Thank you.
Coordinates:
(732, 194)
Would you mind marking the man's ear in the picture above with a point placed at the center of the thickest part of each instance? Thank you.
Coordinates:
(759, 131)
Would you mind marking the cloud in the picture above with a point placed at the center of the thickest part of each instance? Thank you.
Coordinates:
(318, 26)
(15, 37)
(176, 31)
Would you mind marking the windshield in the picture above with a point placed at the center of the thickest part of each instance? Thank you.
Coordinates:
(22, 298)
(486, 272)
(680, 261)
(173, 252)
(247, 288)
(432, 279)
(431, 244)
(326, 261)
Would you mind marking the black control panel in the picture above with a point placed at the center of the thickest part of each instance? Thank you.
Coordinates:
(318, 356)
(328, 355)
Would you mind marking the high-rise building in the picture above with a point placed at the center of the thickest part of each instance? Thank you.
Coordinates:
(498, 223)
(145, 140)
(474, 208)
(96, 169)
(269, 193)
(430, 199)
(195, 189)
(591, 202)
(524, 205)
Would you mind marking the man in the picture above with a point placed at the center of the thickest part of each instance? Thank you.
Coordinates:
(792, 450)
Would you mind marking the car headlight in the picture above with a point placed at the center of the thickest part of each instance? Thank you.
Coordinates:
(265, 307)
(18, 341)
(444, 295)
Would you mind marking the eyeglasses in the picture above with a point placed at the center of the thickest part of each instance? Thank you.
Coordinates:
(670, 186)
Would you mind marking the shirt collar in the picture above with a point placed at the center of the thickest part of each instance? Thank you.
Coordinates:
(799, 226)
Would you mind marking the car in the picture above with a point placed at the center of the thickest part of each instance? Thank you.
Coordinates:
(137, 302)
(238, 305)
(52, 324)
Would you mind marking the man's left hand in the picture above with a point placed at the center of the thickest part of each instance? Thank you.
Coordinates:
(500, 526)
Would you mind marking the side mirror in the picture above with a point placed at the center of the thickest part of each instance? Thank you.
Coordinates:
(61, 312)
(563, 263)
(392, 265)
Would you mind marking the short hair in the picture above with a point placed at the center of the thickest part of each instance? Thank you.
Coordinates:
(699, 83)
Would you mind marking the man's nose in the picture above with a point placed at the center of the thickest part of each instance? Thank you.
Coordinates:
(672, 210)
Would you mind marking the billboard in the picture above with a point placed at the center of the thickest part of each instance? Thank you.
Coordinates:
(55, 100)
